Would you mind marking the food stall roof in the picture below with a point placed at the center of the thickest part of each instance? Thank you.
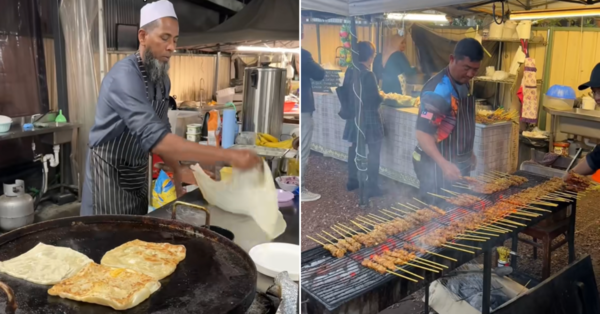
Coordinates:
(260, 20)
(365, 7)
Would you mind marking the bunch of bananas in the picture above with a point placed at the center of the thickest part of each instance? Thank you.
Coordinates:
(268, 140)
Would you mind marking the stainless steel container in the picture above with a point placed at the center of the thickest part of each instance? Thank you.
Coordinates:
(16, 207)
(264, 95)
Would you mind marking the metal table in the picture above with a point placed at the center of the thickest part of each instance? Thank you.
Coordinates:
(247, 233)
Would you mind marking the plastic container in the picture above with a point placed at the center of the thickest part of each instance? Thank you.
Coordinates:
(288, 183)
(496, 30)
(560, 104)
(193, 137)
(561, 148)
(194, 128)
(230, 128)
(288, 106)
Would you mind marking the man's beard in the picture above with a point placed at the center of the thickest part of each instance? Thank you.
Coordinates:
(156, 70)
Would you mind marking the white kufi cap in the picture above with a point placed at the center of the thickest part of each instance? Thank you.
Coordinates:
(156, 10)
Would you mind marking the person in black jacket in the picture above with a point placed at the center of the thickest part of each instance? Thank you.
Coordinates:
(310, 70)
(591, 163)
(391, 63)
(370, 123)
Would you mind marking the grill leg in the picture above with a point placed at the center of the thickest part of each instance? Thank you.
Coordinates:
(571, 232)
(514, 248)
(487, 281)
(426, 309)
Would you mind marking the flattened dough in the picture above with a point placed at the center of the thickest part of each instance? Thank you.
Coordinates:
(45, 264)
(157, 260)
(118, 288)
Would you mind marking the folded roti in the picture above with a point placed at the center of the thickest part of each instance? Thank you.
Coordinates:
(157, 260)
(118, 288)
(45, 264)
(251, 193)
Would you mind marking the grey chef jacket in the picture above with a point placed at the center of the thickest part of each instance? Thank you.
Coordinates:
(131, 118)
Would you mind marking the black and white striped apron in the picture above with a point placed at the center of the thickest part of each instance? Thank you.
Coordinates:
(457, 148)
(120, 167)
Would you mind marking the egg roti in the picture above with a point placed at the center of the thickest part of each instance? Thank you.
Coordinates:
(157, 260)
(118, 288)
(45, 264)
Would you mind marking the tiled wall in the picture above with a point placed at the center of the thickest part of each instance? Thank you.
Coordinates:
(491, 142)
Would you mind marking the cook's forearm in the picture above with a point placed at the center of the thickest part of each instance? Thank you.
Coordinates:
(583, 168)
(176, 148)
(428, 145)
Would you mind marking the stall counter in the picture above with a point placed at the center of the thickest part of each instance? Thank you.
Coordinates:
(491, 148)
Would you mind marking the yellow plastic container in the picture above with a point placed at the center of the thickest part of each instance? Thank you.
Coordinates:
(225, 173)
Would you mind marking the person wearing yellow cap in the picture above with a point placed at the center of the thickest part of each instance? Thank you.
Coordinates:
(131, 121)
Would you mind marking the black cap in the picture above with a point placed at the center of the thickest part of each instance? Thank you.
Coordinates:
(594, 79)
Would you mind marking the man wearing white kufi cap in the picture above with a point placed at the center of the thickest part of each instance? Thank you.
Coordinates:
(131, 122)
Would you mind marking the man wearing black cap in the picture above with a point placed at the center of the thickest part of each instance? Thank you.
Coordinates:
(591, 163)
(446, 123)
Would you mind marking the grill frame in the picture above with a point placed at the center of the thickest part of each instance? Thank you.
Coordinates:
(320, 290)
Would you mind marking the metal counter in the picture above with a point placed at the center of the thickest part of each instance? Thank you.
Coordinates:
(247, 233)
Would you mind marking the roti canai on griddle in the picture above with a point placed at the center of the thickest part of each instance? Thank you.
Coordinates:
(45, 264)
(118, 288)
(157, 260)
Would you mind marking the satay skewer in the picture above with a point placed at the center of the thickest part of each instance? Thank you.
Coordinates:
(400, 210)
(442, 256)
(382, 220)
(383, 212)
(469, 239)
(411, 205)
(443, 197)
(483, 233)
(450, 192)
(360, 226)
(392, 213)
(319, 242)
(423, 260)
(513, 222)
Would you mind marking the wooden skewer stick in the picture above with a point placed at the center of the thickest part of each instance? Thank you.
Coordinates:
(334, 229)
(444, 197)
(360, 226)
(505, 224)
(329, 234)
(442, 256)
(472, 236)
(408, 272)
(418, 200)
(386, 214)
(408, 207)
(469, 239)
(513, 222)
(517, 217)
(536, 208)
(494, 227)
(525, 214)
(450, 192)
(352, 231)
(365, 221)
(458, 249)
(378, 216)
(399, 210)
(321, 243)
(432, 262)
(416, 260)
(462, 187)
(324, 238)
(532, 214)
(422, 267)
(378, 219)
(402, 276)
(467, 246)
(483, 233)
(372, 222)
(389, 212)
(413, 206)
(544, 203)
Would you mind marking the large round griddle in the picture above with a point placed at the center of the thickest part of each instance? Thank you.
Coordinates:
(216, 276)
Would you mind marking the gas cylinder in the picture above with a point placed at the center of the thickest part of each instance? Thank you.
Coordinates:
(16, 207)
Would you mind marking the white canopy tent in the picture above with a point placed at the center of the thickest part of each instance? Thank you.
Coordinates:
(365, 7)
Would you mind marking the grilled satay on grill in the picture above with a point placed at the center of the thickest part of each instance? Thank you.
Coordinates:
(374, 266)
(437, 210)
(577, 183)
(464, 200)
(352, 247)
(384, 262)
(414, 248)
(335, 251)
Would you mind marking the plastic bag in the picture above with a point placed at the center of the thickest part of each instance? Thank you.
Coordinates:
(251, 193)
(164, 190)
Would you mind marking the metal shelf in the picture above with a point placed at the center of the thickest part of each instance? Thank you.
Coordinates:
(516, 40)
(508, 81)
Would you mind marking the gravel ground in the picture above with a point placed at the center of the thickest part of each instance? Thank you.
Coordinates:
(328, 176)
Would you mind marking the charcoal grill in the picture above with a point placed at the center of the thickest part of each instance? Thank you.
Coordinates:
(334, 285)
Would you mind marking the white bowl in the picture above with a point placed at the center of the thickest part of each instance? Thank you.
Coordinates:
(285, 186)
